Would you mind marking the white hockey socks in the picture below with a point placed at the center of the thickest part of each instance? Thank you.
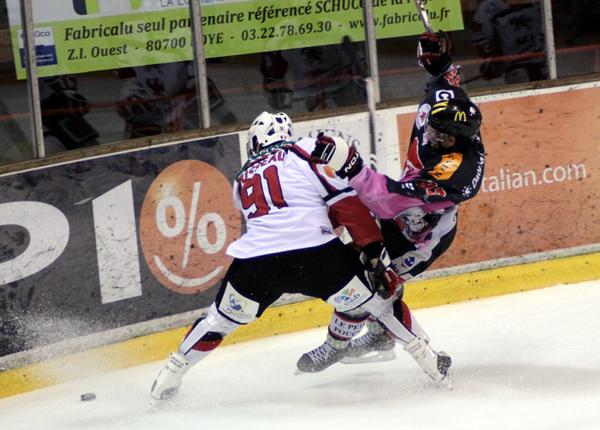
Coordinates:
(345, 326)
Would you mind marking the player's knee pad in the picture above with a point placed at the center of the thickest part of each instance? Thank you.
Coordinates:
(351, 296)
(237, 307)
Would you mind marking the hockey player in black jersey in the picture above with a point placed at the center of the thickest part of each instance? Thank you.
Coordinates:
(444, 167)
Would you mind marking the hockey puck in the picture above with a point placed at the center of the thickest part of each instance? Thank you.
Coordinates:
(86, 397)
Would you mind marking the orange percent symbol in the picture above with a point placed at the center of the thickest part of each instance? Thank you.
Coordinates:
(170, 231)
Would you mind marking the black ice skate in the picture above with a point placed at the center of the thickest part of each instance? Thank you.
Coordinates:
(369, 348)
(319, 359)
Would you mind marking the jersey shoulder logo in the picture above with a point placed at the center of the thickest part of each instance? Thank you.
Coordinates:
(422, 114)
(441, 95)
(447, 166)
(413, 161)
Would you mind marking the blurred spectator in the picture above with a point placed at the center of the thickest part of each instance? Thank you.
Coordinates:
(576, 21)
(322, 77)
(511, 40)
(63, 115)
(162, 99)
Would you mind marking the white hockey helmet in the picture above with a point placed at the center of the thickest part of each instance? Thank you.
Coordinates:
(267, 129)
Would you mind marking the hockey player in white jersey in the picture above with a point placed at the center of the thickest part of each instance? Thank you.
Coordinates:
(161, 98)
(290, 246)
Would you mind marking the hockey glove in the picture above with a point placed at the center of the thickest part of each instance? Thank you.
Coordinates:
(382, 274)
(423, 189)
(433, 52)
(336, 153)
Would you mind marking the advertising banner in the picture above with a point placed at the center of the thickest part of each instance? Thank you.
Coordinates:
(542, 177)
(112, 241)
(75, 36)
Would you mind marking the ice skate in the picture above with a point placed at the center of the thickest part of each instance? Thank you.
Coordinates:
(444, 362)
(319, 359)
(167, 383)
(370, 348)
(435, 364)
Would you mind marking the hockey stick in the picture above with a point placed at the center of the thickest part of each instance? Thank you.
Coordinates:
(424, 16)
(372, 128)
(372, 81)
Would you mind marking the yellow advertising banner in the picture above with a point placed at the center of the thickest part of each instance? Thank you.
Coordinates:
(86, 35)
(541, 189)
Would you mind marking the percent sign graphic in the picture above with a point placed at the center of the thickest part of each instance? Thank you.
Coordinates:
(186, 230)
(201, 228)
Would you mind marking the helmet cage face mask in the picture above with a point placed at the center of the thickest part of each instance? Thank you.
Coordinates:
(438, 139)
(268, 129)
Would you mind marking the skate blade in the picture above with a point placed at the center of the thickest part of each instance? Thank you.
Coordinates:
(371, 357)
(447, 384)
(155, 406)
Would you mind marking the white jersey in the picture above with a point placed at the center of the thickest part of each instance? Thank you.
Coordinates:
(285, 200)
(164, 86)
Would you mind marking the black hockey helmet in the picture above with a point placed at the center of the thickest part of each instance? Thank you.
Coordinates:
(456, 117)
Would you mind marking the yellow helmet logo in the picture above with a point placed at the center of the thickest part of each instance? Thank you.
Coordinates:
(460, 116)
(439, 107)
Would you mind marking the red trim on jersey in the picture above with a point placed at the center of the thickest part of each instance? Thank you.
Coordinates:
(356, 217)
(413, 156)
(302, 154)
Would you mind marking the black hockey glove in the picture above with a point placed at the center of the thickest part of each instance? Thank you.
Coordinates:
(381, 273)
(336, 153)
(433, 52)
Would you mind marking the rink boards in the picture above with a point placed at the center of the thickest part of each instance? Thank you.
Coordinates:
(535, 224)
(305, 315)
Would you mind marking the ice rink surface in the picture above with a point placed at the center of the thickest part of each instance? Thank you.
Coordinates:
(522, 361)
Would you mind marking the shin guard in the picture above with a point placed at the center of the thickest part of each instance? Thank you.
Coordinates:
(205, 335)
